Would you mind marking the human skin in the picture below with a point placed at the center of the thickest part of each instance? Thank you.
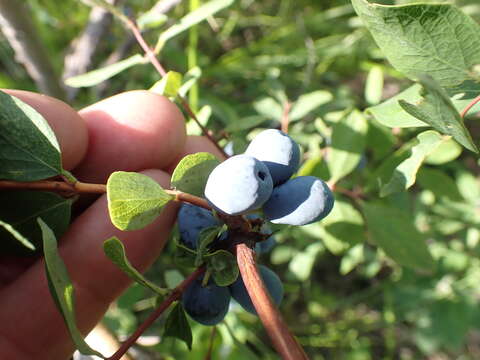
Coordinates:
(133, 131)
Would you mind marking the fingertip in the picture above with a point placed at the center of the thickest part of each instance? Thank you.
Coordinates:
(131, 131)
(69, 128)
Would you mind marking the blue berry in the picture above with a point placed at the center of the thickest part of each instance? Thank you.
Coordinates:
(272, 283)
(208, 304)
(238, 185)
(191, 220)
(299, 201)
(278, 151)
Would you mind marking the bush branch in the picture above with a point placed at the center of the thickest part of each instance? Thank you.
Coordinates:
(174, 296)
(282, 339)
(78, 187)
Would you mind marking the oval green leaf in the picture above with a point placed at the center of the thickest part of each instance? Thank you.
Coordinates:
(192, 172)
(134, 200)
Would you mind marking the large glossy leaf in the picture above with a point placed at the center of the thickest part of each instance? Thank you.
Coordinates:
(29, 150)
(134, 200)
(115, 251)
(192, 172)
(61, 288)
(436, 109)
(405, 174)
(433, 39)
(394, 231)
(20, 210)
(348, 144)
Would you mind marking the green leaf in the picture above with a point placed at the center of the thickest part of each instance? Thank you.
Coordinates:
(25, 207)
(439, 183)
(245, 123)
(95, 77)
(405, 174)
(115, 251)
(437, 110)
(433, 39)
(168, 85)
(184, 256)
(23, 240)
(177, 325)
(202, 13)
(29, 150)
(205, 238)
(151, 19)
(223, 266)
(190, 79)
(394, 231)
(374, 85)
(348, 144)
(446, 151)
(269, 108)
(309, 102)
(302, 263)
(341, 229)
(134, 200)
(61, 288)
(192, 172)
(391, 114)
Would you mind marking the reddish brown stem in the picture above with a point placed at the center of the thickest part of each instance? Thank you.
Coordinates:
(87, 188)
(282, 339)
(469, 106)
(55, 186)
(285, 117)
(192, 199)
(175, 295)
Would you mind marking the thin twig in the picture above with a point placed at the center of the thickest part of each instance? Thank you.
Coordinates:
(151, 56)
(208, 356)
(469, 106)
(285, 117)
(78, 187)
(175, 295)
(55, 186)
(276, 328)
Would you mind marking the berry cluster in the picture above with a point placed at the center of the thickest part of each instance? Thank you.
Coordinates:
(242, 184)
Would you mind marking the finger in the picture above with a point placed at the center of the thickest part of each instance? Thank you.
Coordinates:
(68, 126)
(31, 320)
(131, 131)
(195, 144)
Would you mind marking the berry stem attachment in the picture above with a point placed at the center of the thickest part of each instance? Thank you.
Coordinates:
(469, 106)
(175, 295)
(282, 339)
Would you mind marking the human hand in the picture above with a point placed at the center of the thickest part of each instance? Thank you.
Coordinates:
(133, 131)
